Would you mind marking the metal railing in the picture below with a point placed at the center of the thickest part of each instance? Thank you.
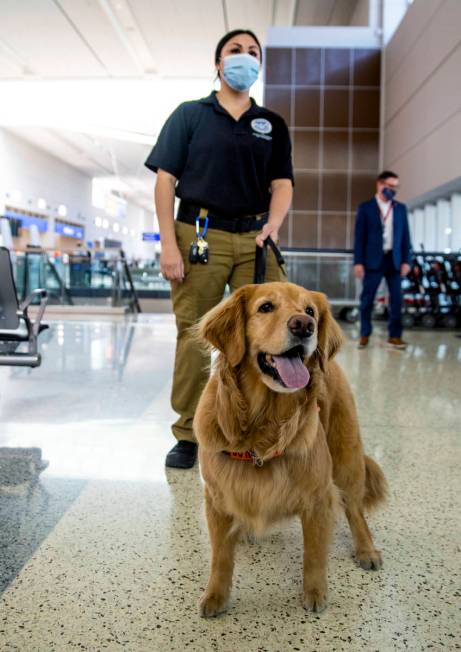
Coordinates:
(75, 277)
(71, 278)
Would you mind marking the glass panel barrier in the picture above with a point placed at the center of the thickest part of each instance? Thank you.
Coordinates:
(85, 279)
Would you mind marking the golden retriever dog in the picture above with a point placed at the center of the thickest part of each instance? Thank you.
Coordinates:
(278, 434)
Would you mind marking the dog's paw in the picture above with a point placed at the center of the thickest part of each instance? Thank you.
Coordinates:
(369, 559)
(212, 604)
(315, 600)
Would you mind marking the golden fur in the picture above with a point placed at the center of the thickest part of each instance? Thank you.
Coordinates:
(243, 409)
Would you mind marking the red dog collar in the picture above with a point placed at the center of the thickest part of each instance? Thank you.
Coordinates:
(250, 456)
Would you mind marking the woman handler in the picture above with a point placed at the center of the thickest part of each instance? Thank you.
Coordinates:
(229, 162)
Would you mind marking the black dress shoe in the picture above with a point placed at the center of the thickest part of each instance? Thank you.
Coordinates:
(182, 456)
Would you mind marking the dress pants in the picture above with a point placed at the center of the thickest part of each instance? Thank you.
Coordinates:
(371, 283)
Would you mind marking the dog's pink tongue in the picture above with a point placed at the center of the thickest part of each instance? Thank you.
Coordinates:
(292, 371)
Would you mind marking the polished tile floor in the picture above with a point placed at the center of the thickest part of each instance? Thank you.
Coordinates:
(105, 550)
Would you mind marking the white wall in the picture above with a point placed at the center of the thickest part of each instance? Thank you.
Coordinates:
(393, 12)
(323, 37)
(422, 90)
(36, 174)
(361, 15)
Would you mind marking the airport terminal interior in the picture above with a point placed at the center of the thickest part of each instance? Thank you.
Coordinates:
(103, 546)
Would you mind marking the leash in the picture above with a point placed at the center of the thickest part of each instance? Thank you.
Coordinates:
(261, 258)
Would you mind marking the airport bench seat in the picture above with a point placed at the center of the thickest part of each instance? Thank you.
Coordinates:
(15, 324)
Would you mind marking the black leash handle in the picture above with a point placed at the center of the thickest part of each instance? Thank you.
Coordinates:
(260, 259)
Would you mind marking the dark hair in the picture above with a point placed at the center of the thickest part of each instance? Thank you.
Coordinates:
(387, 174)
(230, 35)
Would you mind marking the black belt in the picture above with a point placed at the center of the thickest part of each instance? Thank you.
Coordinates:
(188, 213)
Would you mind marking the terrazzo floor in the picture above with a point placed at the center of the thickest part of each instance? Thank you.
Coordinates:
(108, 550)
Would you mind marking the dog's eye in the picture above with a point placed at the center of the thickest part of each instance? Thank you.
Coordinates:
(309, 311)
(266, 307)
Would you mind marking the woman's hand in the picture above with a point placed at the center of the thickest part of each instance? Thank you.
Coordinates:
(171, 263)
(268, 230)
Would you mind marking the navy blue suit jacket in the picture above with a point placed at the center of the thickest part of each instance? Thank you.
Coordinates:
(368, 239)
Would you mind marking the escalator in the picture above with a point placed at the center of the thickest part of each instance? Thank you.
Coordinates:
(35, 269)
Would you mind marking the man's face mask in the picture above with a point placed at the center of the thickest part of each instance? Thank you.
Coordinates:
(389, 193)
(241, 71)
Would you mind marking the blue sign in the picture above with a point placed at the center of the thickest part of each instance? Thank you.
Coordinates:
(69, 231)
(28, 220)
(151, 237)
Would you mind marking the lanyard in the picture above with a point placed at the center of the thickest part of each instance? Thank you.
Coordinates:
(197, 227)
(385, 217)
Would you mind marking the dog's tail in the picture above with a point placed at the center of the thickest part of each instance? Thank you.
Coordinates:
(376, 487)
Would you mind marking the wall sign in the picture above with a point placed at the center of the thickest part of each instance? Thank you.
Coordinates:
(151, 237)
(77, 232)
(25, 221)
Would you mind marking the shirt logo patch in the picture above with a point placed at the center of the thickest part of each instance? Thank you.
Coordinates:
(261, 125)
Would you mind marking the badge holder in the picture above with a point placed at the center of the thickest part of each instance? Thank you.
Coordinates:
(198, 252)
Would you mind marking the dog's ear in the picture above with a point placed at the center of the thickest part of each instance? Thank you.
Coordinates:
(224, 327)
(330, 335)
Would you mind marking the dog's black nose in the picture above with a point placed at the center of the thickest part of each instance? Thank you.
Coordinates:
(301, 325)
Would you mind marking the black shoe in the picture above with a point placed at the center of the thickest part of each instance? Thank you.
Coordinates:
(182, 456)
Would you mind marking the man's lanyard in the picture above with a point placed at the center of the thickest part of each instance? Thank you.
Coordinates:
(385, 217)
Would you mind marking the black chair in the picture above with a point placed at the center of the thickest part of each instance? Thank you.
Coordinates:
(15, 323)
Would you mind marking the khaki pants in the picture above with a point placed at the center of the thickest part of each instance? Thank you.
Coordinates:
(231, 261)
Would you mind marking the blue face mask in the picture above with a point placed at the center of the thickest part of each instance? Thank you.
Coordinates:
(389, 194)
(241, 71)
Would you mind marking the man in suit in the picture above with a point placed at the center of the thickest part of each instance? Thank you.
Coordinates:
(382, 249)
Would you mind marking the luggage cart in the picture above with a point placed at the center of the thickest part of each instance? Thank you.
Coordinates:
(329, 271)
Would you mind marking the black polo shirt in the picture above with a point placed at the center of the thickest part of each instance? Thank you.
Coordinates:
(220, 163)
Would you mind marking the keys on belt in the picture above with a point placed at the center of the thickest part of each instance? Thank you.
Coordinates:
(198, 252)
